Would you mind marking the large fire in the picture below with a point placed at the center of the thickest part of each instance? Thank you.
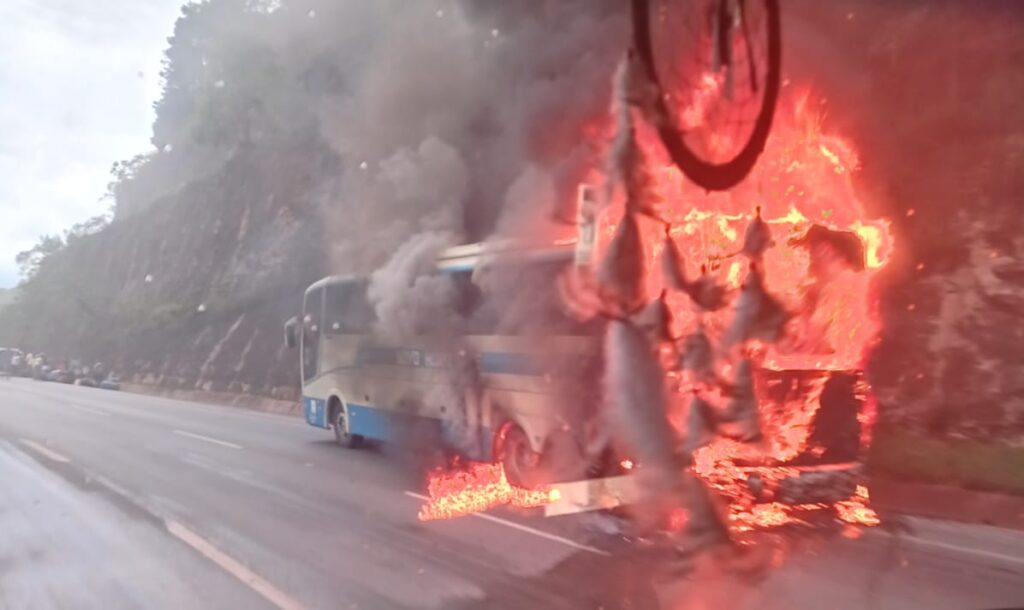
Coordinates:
(803, 180)
(825, 256)
(476, 487)
(802, 187)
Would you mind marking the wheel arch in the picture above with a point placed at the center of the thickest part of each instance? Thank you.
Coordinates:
(335, 402)
(501, 416)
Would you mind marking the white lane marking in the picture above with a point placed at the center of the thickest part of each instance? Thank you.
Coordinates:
(45, 451)
(205, 548)
(89, 410)
(207, 439)
(527, 529)
(234, 474)
(968, 550)
(233, 566)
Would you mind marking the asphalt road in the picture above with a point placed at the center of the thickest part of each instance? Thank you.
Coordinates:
(114, 500)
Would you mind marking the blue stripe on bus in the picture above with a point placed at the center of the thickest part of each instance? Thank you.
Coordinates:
(370, 422)
(315, 411)
(501, 363)
(385, 425)
(509, 363)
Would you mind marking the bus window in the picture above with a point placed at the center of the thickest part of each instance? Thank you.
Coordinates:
(469, 304)
(526, 302)
(346, 310)
(312, 310)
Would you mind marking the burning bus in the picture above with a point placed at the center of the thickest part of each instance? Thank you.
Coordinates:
(795, 240)
(516, 386)
(494, 382)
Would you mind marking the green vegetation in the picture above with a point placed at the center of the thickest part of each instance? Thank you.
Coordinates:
(985, 466)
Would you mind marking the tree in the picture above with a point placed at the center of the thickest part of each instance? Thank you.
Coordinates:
(86, 227)
(29, 260)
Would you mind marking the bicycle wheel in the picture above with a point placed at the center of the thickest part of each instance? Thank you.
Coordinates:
(718, 84)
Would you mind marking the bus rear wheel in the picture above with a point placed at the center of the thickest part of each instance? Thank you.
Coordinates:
(340, 422)
(522, 465)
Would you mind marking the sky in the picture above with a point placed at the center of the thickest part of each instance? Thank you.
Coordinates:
(78, 79)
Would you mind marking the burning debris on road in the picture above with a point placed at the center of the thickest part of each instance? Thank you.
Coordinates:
(477, 487)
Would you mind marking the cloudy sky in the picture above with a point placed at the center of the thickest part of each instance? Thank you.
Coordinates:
(77, 83)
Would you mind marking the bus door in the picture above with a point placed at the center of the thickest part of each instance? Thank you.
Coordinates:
(314, 407)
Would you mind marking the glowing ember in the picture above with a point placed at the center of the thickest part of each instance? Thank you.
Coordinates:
(773, 514)
(856, 510)
(477, 487)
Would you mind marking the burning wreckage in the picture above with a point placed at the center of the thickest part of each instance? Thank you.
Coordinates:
(736, 326)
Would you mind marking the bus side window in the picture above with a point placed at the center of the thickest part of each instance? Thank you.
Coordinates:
(346, 311)
(527, 302)
(312, 318)
(480, 318)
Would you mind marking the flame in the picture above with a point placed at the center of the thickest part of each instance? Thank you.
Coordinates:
(477, 487)
(856, 511)
(705, 94)
(802, 181)
(768, 515)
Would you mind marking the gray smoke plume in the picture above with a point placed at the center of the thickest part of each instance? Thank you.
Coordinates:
(460, 118)
(457, 121)
(757, 238)
(741, 413)
(623, 270)
(673, 267)
(409, 277)
(635, 403)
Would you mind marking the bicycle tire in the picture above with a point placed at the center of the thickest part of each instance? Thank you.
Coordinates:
(709, 175)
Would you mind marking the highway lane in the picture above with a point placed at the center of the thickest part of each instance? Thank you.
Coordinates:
(174, 504)
(332, 525)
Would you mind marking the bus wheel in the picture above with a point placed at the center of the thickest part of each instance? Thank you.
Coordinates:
(341, 433)
(521, 463)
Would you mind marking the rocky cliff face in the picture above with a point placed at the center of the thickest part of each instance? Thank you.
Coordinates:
(243, 255)
(192, 293)
(941, 131)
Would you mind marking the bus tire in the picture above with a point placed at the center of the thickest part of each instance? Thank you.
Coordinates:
(339, 420)
(522, 465)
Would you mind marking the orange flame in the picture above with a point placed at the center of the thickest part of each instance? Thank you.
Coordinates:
(856, 510)
(802, 180)
(477, 487)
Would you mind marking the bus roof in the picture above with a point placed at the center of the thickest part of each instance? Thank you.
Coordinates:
(466, 257)
(331, 280)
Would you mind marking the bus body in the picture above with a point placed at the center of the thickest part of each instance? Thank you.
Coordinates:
(510, 391)
(534, 395)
